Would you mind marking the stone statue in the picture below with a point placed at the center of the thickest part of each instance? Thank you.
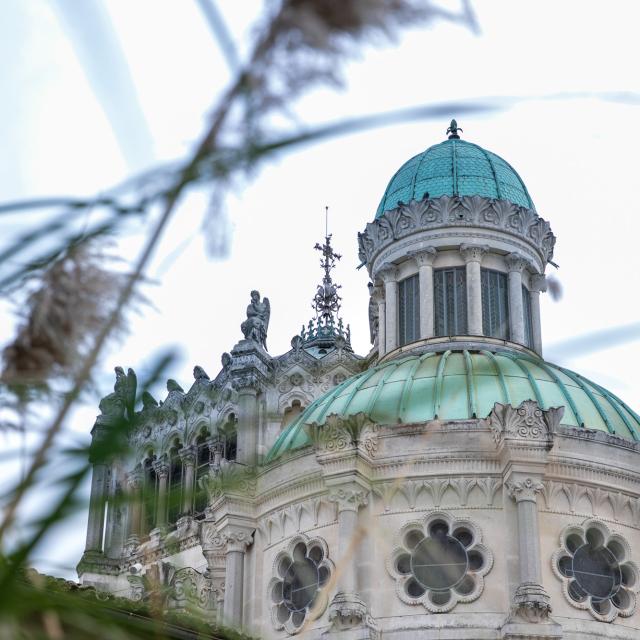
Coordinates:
(199, 373)
(257, 323)
(172, 385)
(373, 316)
(120, 402)
(148, 401)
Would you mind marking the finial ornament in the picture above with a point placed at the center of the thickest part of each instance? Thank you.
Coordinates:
(327, 325)
(453, 130)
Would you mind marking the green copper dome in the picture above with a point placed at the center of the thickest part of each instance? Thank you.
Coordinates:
(455, 168)
(458, 385)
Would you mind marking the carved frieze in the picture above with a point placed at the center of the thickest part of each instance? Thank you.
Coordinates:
(447, 211)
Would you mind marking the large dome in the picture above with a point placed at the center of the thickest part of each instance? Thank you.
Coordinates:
(455, 168)
(458, 385)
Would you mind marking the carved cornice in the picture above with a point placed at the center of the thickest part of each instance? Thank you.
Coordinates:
(525, 490)
(473, 252)
(466, 211)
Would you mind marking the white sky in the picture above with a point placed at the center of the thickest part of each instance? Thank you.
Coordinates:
(578, 157)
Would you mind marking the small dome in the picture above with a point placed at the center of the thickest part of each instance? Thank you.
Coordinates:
(455, 168)
(459, 385)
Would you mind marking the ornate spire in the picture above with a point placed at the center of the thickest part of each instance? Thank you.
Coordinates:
(327, 330)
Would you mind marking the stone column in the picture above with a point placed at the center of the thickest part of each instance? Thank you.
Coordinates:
(382, 320)
(530, 596)
(389, 276)
(425, 259)
(538, 285)
(472, 255)
(516, 264)
(162, 472)
(97, 503)
(188, 457)
(134, 482)
(236, 543)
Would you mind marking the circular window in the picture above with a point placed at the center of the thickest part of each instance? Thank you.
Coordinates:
(296, 590)
(440, 562)
(597, 573)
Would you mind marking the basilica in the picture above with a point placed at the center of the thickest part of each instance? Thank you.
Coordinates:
(449, 484)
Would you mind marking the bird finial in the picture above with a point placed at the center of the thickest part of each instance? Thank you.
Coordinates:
(453, 130)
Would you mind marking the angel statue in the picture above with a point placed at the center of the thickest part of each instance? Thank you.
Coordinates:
(257, 322)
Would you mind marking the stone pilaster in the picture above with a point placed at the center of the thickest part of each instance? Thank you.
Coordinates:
(250, 367)
(188, 457)
(97, 503)
(424, 259)
(516, 263)
(134, 521)
(231, 541)
(378, 293)
(389, 276)
(473, 255)
(162, 472)
(538, 285)
(348, 612)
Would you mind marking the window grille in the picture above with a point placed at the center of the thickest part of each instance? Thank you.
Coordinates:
(450, 301)
(526, 310)
(409, 310)
(495, 304)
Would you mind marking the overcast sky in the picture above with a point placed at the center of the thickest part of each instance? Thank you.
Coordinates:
(88, 97)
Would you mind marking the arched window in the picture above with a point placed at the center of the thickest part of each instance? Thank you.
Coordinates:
(408, 310)
(149, 494)
(203, 456)
(175, 488)
(230, 438)
(495, 304)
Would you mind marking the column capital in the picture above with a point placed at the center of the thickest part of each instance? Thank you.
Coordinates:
(227, 540)
(516, 262)
(349, 498)
(424, 257)
(135, 477)
(188, 455)
(525, 490)
(538, 282)
(377, 294)
(388, 273)
(161, 467)
(473, 252)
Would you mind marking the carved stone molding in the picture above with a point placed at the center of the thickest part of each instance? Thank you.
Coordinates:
(226, 540)
(525, 490)
(338, 434)
(527, 423)
(424, 257)
(517, 262)
(188, 456)
(161, 467)
(388, 273)
(473, 252)
(538, 282)
(348, 498)
(348, 612)
(466, 211)
(531, 603)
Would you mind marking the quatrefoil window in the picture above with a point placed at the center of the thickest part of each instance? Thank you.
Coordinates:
(439, 562)
(597, 573)
(296, 591)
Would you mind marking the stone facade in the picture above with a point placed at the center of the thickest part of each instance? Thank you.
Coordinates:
(511, 525)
